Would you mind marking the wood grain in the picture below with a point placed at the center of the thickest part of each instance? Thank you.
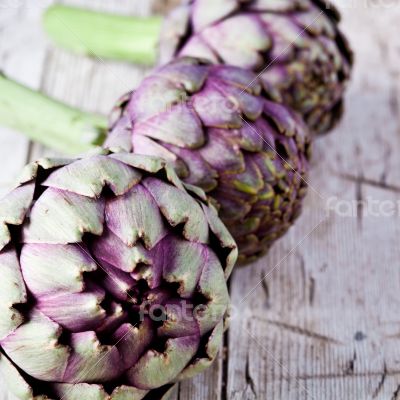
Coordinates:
(318, 318)
(324, 323)
(22, 54)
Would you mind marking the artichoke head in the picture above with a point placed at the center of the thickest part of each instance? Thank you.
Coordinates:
(222, 132)
(294, 45)
(113, 279)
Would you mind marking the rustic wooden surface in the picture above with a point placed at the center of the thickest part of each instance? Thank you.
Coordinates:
(318, 318)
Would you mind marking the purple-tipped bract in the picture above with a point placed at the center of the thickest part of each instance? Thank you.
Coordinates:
(113, 280)
(217, 126)
(295, 45)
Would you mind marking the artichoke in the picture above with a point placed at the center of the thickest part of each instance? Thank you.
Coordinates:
(113, 279)
(295, 45)
(222, 134)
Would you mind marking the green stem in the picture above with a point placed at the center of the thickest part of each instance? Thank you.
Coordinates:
(47, 121)
(104, 35)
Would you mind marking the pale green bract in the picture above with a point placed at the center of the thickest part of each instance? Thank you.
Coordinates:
(113, 280)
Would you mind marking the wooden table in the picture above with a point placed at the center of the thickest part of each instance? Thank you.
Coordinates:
(319, 317)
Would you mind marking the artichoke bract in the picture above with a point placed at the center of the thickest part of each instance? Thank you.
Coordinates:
(295, 46)
(215, 124)
(113, 279)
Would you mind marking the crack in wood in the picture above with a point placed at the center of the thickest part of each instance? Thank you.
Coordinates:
(265, 287)
(359, 200)
(386, 165)
(370, 182)
(303, 270)
(303, 331)
(311, 296)
(225, 360)
(308, 288)
(396, 393)
(320, 377)
(380, 383)
(350, 368)
(249, 378)
(342, 375)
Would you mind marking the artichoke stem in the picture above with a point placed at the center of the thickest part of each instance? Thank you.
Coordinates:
(48, 121)
(104, 35)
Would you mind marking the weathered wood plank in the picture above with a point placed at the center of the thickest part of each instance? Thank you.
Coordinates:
(324, 323)
(22, 53)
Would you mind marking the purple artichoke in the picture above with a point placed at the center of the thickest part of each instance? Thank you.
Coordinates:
(295, 45)
(217, 127)
(113, 280)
